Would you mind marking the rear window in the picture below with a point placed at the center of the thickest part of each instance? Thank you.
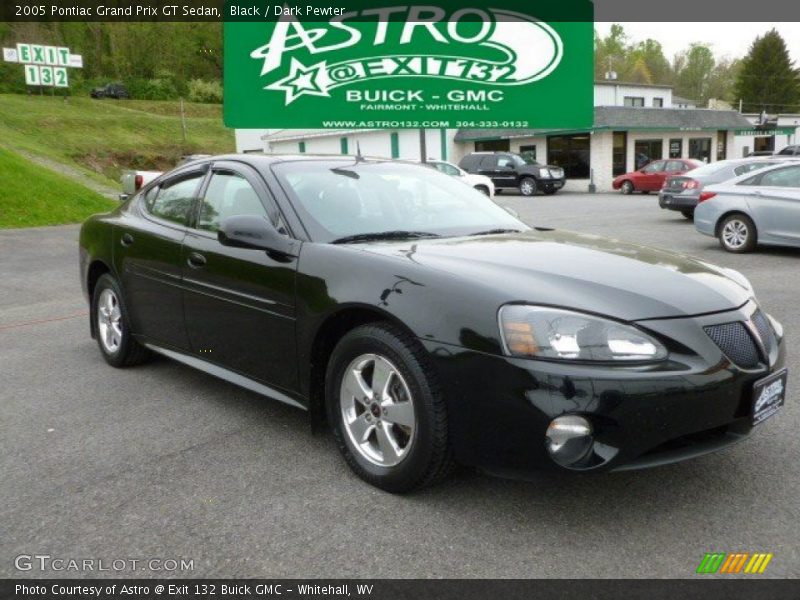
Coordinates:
(470, 162)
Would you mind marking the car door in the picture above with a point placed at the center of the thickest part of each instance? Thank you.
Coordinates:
(239, 303)
(148, 256)
(652, 176)
(501, 171)
(775, 205)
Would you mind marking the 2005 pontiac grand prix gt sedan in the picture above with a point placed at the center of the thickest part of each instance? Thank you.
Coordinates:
(426, 324)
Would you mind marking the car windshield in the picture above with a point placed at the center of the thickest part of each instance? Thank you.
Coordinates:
(707, 170)
(341, 199)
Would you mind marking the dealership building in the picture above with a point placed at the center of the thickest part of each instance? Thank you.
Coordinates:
(633, 124)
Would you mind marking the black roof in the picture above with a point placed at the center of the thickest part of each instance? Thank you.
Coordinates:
(624, 118)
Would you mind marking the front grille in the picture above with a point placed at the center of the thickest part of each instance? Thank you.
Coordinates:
(761, 322)
(736, 342)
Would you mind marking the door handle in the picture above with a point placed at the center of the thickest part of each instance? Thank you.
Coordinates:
(196, 261)
(126, 240)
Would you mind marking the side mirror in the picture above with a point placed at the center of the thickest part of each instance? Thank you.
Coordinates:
(257, 233)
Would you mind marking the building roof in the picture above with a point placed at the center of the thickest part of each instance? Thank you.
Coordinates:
(303, 134)
(682, 100)
(624, 118)
(631, 84)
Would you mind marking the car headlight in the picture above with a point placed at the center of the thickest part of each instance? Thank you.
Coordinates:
(545, 174)
(555, 334)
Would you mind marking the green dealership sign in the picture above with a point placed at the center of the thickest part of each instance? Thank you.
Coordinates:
(370, 65)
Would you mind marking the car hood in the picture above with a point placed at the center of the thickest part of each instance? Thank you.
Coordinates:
(582, 272)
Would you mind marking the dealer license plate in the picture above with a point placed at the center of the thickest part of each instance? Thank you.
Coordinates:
(768, 396)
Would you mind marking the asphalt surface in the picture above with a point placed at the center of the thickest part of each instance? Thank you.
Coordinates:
(161, 461)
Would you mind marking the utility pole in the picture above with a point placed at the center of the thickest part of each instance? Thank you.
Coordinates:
(423, 146)
(183, 122)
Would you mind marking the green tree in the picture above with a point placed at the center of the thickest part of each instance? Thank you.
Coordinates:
(767, 79)
(693, 69)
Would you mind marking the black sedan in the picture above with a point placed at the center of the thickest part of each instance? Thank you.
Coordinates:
(427, 325)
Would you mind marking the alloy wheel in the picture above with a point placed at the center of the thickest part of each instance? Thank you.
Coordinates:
(527, 187)
(109, 321)
(735, 234)
(377, 410)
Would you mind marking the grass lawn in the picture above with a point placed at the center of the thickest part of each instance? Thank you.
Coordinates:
(104, 137)
(31, 195)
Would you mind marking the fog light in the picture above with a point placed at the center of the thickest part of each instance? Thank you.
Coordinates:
(569, 439)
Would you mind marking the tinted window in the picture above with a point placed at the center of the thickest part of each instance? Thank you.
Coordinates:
(503, 162)
(789, 177)
(790, 150)
(654, 167)
(174, 199)
(228, 195)
(470, 163)
(488, 163)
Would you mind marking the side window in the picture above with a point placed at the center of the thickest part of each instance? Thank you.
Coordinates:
(228, 195)
(503, 162)
(488, 163)
(173, 201)
(676, 165)
(789, 177)
(448, 169)
(742, 169)
(654, 167)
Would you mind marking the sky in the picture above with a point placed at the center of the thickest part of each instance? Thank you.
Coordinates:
(726, 39)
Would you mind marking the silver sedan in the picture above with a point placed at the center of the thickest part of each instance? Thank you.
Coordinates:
(756, 208)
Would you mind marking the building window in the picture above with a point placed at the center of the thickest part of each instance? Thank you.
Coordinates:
(619, 153)
(722, 144)
(658, 103)
(676, 148)
(646, 151)
(302, 147)
(636, 101)
(492, 146)
(343, 145)
(395, 143)
(572, 152)
(700, 148)
(528, 152)
(764, 144)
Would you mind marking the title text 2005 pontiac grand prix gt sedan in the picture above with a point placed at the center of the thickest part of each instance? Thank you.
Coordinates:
(427, 325)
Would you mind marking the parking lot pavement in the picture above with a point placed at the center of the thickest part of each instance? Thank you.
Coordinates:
(163, 461)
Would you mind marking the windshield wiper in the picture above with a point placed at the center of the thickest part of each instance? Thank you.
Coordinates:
(384, 235)
(494, 231)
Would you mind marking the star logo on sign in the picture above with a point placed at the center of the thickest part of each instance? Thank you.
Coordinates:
(301, 81)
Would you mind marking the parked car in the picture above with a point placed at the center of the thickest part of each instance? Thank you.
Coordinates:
(651, 177)
(761, 208)
(426, 324)
(681, 192)
(789, 151)
(480, 182)
(760, 153)
(511, 171)
(110, 90)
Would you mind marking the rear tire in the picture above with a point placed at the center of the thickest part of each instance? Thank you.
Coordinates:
(737, 234)
(391, 431)
(527, 186)
(112, 325)
(482, 189)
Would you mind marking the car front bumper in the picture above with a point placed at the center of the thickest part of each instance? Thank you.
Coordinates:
(552, 184)
(697, 402)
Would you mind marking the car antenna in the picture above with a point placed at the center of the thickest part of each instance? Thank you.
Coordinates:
(359, 157)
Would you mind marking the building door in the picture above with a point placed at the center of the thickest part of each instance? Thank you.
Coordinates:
(619, 159)
(722, 144)
(700, 149)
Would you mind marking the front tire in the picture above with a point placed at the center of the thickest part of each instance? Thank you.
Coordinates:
(737, 234)
(482, 189)
(386, 409)
(527, 186)
(627, 188)
(112, 325)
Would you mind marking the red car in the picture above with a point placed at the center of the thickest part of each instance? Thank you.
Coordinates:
(651, 177)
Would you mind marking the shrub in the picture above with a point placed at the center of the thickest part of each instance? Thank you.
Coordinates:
(209, 92)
